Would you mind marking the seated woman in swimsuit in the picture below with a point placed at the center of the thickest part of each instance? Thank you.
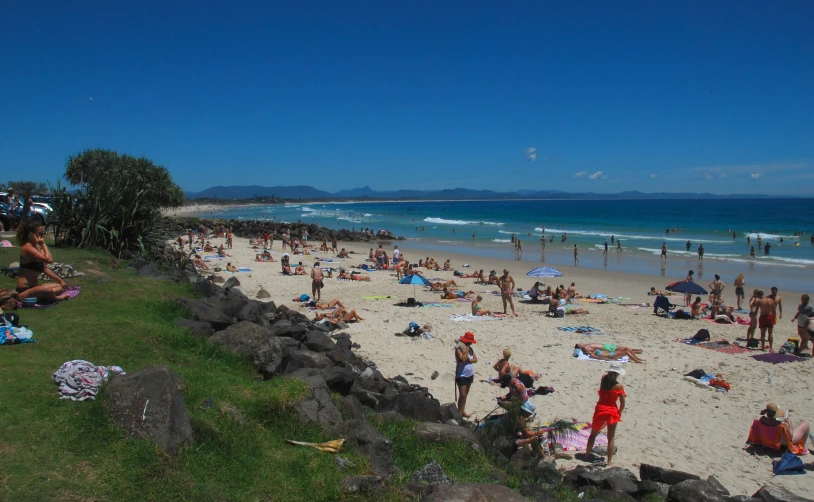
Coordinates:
(266, 256)
(609, 351)
(572, 291)
(300, 270)
(476, 310)
(208, 248)
(480, 278)
(34, 256)
(343, 254)
(504, 367)
(230, 267)
(697, 308)
(440, 286)
(492, 278)
(199, 263)
(222, 252)
(447, 265)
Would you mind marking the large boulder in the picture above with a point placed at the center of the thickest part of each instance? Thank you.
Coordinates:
(419, 405)
(661, 475)
(209, 310)
(373, 400)
(318, 341)
(149, 270)
(614, 478)
(369, 442)
(148, 405)
(648, 488)
(473, 492)
(317, 406)
(431, 474)
(266, 352)
(231, 283)
(772, 493)
(208, 289)
(694, 490)
(287, 328)
(306, 359)
(443, 433)
(197, 328)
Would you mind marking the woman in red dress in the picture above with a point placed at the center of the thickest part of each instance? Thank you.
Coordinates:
(606, 411)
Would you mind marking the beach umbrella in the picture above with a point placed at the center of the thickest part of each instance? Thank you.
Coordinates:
(414, 279)
(686, 287)
(544, 272)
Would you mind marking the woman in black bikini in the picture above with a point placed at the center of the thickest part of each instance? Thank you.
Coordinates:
(34, 255)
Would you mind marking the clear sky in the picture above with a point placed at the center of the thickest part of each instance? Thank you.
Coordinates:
(652, 96)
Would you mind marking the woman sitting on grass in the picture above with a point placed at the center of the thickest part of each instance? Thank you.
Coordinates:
(34, 256)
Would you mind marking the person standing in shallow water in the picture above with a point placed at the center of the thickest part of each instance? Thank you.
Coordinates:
(576, 257)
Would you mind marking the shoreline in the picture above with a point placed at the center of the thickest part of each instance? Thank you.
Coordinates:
(667, 420)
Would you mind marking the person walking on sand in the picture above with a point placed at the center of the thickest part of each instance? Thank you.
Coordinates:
(506, 283)
(465, 357)
(607, 413)
(576, 257)
(316, 282)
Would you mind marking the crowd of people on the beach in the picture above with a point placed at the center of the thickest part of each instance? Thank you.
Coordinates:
(521, 384)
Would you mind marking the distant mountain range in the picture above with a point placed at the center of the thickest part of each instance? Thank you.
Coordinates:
(303, 192)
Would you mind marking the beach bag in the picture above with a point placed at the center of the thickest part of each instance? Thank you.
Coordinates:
(752, 343)
(702, 335)
(789, 463)
(8, 299)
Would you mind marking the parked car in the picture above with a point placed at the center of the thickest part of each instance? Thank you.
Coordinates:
(7, 219)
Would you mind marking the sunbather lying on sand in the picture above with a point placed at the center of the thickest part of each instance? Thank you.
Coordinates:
(353, 276)
(609, 351)
(440, 286)
(466, 276)
(327, 306)
(339, 315)
(453, 295)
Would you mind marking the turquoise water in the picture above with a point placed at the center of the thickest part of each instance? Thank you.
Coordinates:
(640, 225)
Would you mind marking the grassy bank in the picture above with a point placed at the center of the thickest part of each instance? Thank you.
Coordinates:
(65, 450)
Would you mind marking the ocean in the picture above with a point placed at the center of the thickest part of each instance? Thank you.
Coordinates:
(641, 226)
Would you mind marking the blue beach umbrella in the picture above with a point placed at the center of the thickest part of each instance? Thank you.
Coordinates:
(414, 279)
(690, 288)
(544, 272)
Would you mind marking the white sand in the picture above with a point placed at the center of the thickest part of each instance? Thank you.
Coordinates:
(667, 421)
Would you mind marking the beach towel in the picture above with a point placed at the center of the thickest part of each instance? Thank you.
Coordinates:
(244, 269)
(6, 244)
(574, 440)
(474, 318)
(470, 300)
(80, 380)
(443, 305)
(72, 292)
(777, 358)
(578, 328)
(740, 311)
(584, 357)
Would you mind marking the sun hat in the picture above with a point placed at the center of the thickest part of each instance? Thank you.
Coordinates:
(773, 411)
(426, 328)
(529, 408)
(616, 368)
(468, 337)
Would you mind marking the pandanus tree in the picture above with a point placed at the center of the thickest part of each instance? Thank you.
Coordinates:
(118, 205)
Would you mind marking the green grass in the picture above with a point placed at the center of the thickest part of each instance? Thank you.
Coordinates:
(65, 450)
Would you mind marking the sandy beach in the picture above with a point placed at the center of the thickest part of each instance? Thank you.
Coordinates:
(667, 421)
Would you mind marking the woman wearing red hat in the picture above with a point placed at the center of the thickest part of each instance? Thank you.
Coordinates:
(464, 371)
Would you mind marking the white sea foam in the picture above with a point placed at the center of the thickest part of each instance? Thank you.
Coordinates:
(460, 222)
(308, 209)
(501, 240)
(560, 231)
(367, 215)
(348, 218)
(771, 237)
(774, 260)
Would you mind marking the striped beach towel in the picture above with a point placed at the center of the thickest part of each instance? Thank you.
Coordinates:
(578, 328)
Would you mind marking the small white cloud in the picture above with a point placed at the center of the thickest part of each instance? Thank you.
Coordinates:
(706, 176)
(653, 176)
(581, 174)
(756, 176)
(531, 154)
(596, 175)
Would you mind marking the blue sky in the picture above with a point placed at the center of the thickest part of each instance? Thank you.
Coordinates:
(651, 96)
